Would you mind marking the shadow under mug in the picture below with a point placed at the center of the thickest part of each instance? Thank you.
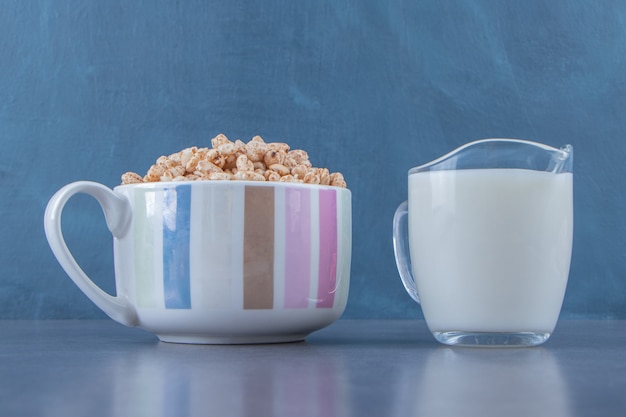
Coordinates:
(487, 246)
(219, 261)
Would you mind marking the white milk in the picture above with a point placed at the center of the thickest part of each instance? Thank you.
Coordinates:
(490, 248)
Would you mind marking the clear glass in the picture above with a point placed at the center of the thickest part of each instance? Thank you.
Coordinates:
(484, 241)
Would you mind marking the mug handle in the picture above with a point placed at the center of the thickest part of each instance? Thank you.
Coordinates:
(118, 213)
(401, 249)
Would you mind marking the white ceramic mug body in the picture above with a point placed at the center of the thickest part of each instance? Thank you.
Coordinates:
(234, 262)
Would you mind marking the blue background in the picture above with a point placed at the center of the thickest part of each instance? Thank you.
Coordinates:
(91, 89)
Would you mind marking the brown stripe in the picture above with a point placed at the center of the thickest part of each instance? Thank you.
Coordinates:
(258, 248)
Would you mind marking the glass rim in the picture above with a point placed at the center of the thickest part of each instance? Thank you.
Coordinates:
(565, 149)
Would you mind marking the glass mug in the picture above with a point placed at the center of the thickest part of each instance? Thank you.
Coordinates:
(487, 247)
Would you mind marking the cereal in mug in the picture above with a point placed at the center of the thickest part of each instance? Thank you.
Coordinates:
(226, 160)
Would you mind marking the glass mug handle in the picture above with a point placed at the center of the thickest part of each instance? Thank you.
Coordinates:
(118, 213)
(401, 249)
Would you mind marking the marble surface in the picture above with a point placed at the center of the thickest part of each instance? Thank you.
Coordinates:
(352, 368)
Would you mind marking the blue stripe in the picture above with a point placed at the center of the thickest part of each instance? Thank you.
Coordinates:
(176, 216)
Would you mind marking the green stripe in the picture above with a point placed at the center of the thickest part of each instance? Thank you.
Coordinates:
(144, 248)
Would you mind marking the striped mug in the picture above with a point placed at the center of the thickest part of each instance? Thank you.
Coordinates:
(219, 261)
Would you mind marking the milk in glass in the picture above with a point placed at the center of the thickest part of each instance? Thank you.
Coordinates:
(490, 248)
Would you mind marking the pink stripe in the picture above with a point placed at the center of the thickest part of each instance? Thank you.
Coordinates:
(328, 249)
(297, 247)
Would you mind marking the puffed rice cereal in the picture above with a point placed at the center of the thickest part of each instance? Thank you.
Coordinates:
(226, 160)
